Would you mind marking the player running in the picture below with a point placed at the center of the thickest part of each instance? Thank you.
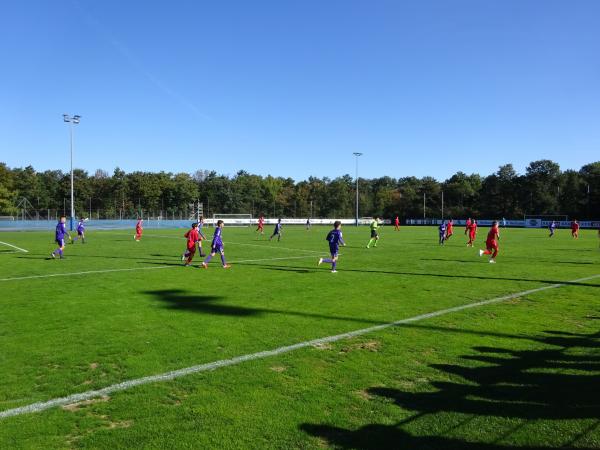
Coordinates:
(192, 237)
(467, 225)
(449, 229)
(139, 229)
(551, 227)
(277, 231)
(442, 232)
(491, 243)
(308, 224)
(472, 232)
(59, 237)
(374, 234)
(261, 225)
(575, 229)
(334, 237)
(80, 231)
(217, 247)
(397, 224)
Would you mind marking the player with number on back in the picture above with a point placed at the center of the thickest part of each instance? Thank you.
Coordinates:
(334, 237)
(59, 237)
(80, 231)
(217, 247)
(491, 243)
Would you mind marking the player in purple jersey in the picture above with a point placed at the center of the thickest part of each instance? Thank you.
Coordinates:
(552, 227)
(217, 247)
(277, 231)
(80, 231)
(442, 233)
(334, 237)
(59, 237)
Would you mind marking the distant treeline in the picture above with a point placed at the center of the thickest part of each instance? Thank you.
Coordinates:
(542, 189)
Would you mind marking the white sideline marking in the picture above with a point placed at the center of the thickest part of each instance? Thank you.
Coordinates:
(133, 269)
(15, 247)
(41, 406)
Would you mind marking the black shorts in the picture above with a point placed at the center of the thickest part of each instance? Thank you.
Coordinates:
(374, 234)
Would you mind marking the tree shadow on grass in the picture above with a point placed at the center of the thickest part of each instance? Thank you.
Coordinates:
(559, 381)
(417, 274)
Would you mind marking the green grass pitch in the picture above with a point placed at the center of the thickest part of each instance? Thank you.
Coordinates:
(522, 373)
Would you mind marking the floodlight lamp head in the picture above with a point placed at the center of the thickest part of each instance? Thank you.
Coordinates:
(76, 118)
(357, 154)
(66, 117)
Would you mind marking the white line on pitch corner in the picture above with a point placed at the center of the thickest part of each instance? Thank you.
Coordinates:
(167, 376)
(15, 247)
(133, 269)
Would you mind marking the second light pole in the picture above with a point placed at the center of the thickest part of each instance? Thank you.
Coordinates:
(72, 121)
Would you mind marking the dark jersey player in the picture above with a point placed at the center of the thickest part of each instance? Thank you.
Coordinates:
(277, 231)
(335, 239)
(59, 236)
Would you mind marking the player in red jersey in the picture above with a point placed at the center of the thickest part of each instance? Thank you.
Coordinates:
(491, 243)
(575, 229)
(449, 229)
(192, 237)
(261, 225)
(467, 225)
(472, 232)
(139, 229)
(397, 224)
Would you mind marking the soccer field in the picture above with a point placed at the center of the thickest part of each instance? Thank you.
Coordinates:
(520, 371)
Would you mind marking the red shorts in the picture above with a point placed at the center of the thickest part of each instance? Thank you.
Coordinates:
(492, 244)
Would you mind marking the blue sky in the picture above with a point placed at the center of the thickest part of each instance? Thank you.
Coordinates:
(292, 88)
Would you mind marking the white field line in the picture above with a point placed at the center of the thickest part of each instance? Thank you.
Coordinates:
(225, 242)
(133, 269)
(15, 247)
(167, 376)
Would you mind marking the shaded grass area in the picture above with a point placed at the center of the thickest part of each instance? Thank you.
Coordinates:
(518, 375)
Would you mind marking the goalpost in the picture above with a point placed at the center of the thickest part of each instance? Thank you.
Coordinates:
(233, 220)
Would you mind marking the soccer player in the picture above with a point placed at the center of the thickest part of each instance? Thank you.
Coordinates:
(397, 224)
(192, 237)
(80, 231)
(217, 247)
(139, 229)
(308, 224)
(467, 225)
(59, 237)
(334, 237)
(374, 234)
(491, 243)
(277, 231)
(261, 225)
(551, 227)
(449, 229)
(472, 232)
(575, 229)
(442, 232)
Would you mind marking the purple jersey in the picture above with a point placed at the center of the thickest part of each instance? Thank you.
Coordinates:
(80, 227)
(335, 238)
(60, 231)
(217, 241)
(277, 229)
